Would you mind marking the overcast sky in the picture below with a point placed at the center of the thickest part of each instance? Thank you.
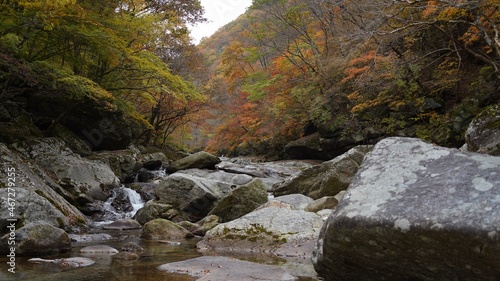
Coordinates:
(218, 13)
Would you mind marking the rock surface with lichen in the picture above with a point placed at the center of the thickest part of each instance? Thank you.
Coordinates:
(415, 211)
(277, 230)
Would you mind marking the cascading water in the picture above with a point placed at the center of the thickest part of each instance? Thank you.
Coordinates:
(123, 204)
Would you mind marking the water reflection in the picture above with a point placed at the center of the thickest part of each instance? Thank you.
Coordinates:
(108, 269)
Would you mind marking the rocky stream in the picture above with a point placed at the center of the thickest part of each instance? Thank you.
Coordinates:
(403, 209)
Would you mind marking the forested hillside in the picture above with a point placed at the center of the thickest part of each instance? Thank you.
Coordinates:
(350, 72)
(316, 76)
(99, 68)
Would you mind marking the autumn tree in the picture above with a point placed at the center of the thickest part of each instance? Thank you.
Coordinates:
(121, 47)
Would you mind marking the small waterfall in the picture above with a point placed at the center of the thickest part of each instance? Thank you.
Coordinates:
(123, 204)
(135, 201)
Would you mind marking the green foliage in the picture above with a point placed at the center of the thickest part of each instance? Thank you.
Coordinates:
(99, 50)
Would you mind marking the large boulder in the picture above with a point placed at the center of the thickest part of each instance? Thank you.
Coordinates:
(415, 211)
(35, 197)
(121, 162)
(193, 195)
(483, 134)
(97, 121)
(159, 229)
(270, 173)
(83, 180)
(275, 230)
(241, 201)
(36, 239)
(327, 179)
(202, 160)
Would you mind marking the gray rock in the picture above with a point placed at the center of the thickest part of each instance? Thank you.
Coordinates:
(327, 179)
(241, 179)
(83, 180)
(190, 194)
(272, 230)
(296, 201)
(35, 239)
(132, 247)
(207, 223)
(124, 224)
(241, 201)
(227, 269)
(89, 237)
(415, 211)
(159, 229)
(121, 162)
(483, 134)
(155, 156)
(327, 202)
(35, 195)
(99, 249)
(325, 213)
(66, 263)
(201, 160)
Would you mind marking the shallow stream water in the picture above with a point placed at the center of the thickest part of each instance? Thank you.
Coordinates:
(108, 269)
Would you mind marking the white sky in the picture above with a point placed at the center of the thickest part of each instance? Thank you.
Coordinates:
(218, 13)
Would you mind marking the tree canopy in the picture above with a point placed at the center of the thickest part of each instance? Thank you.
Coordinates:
(121, 50)
(413, 68)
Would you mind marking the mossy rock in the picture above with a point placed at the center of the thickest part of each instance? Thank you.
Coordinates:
(19, 129)
(159, 229)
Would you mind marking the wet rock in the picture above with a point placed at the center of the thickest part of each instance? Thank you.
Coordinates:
(327, 202)
(99, 249)
(152, 164)
(132, 247)
(279, 231)
(146, 190)
(124, 224)
(193, 195)
(121, 201)
(145, 175)
(327, 179)
(36, 196)
(415, 211)
(66, 263)
(159, 229)
(126, 256)
(227, 269)
(483, 134)
(90, 237)
(241, 201)
(37, 239)
(201, 160)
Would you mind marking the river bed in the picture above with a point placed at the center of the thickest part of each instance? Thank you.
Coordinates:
(108, 269)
